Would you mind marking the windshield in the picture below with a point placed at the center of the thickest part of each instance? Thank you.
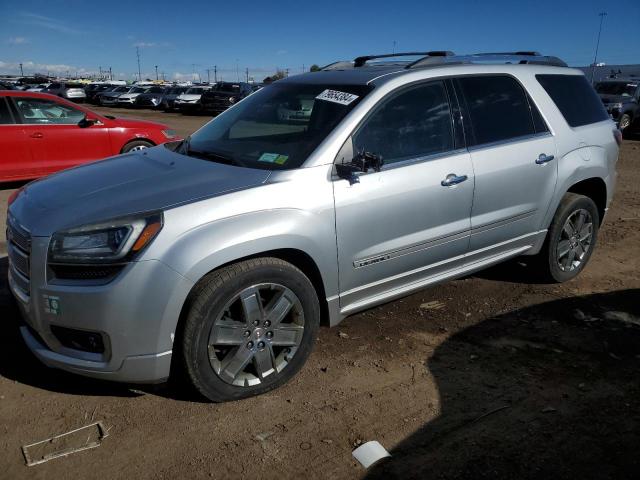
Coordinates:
(121, 89)
(138, 90)
(155, 90)
(616, 88)
(277, 127)
(194, 91)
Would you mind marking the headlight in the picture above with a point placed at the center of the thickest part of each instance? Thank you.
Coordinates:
(170, 133)
(116, 241)
(232, 99)
(615, 106)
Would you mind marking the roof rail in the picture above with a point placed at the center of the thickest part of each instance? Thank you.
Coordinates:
(361, 61)
(524, 57)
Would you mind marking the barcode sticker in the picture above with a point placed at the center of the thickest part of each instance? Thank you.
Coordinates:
(335, 96)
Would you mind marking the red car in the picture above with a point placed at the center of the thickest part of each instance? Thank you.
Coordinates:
(41, 134)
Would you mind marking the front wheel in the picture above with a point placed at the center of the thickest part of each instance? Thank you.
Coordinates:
(571, 238)
(136, 145)
(250, 327)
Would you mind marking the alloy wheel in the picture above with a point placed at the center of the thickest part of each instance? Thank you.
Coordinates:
(256, 335)
(575, 240)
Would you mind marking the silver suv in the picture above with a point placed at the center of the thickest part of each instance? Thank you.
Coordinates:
(218, 258)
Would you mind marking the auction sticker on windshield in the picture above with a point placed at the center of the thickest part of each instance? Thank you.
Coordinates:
(273, 158)
(335, 96)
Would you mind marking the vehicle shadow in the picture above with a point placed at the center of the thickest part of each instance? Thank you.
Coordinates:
(548, 391)
(13, 185)
(518, 270)
(19, 364)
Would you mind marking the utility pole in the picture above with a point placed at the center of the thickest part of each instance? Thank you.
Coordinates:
(215, 74)
(247, 74)
(156, 72)
(21, 71)
(139, 71)
(595, 56)
(110, 74)
(100, 76)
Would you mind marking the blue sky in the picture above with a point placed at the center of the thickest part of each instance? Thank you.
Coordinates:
(188, 36)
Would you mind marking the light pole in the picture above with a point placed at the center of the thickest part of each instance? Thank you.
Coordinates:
(139, 72)
(156, 73)
(21, 71)
(595, 56)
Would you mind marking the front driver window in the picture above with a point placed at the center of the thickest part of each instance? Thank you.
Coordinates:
(41, 111)
(414, 123)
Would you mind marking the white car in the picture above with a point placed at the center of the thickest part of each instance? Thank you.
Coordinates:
(190, 100)
(130, 97)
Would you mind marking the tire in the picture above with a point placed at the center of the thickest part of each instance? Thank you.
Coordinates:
(266, 352)
(553, 265)
(135, 145)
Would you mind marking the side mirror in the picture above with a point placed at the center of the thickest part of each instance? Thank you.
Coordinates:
(361, 163)
(87, 122)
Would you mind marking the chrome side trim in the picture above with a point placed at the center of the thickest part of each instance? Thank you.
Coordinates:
(501, 223)
(418, 247)
(522, 138)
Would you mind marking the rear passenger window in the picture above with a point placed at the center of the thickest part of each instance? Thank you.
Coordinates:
(411, 124)
(498, 108)
(5, 115)
(575, 97)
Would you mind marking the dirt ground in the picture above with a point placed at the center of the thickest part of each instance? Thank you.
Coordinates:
(490, 376)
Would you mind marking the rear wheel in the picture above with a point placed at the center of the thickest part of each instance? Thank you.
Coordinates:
(570, 240)
(136, 145)
(250, 328)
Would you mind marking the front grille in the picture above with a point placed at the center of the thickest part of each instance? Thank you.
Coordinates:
(19, 252)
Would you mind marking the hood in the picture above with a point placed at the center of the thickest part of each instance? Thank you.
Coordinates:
(149, 180)
(191, 96)
(129, 95)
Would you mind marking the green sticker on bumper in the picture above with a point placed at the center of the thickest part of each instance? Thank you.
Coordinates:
(51, 304)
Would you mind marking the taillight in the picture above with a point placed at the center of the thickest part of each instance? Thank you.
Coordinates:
(617, 134)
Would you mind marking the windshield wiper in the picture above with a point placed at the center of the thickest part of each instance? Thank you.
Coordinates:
(214, 157)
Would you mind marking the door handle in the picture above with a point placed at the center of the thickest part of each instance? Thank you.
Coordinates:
(453, 179)
(544, 158)
(36, 135)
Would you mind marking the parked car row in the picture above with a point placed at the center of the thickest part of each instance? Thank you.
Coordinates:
(212, 99)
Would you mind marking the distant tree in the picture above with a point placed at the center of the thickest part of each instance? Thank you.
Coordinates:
(314, 68)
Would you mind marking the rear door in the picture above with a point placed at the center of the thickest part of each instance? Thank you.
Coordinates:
(513, 155)
(15, 157)
(403, 225)
(55, 138)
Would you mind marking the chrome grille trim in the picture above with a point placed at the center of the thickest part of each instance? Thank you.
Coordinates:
(19, 253)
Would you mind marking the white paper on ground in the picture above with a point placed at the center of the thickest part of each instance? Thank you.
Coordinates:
(369, 453)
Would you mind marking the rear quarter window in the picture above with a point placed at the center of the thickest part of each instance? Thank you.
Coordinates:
(575, 98)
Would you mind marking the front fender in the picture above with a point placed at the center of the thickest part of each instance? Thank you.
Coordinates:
(206, 247)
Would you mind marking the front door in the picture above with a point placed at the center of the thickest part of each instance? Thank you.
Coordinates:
(410, 221)
(56, 139)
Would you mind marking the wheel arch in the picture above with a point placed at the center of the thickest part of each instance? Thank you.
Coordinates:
(596, 189)
(137, 139)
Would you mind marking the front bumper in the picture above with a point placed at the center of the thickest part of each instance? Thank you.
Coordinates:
(136, 313)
